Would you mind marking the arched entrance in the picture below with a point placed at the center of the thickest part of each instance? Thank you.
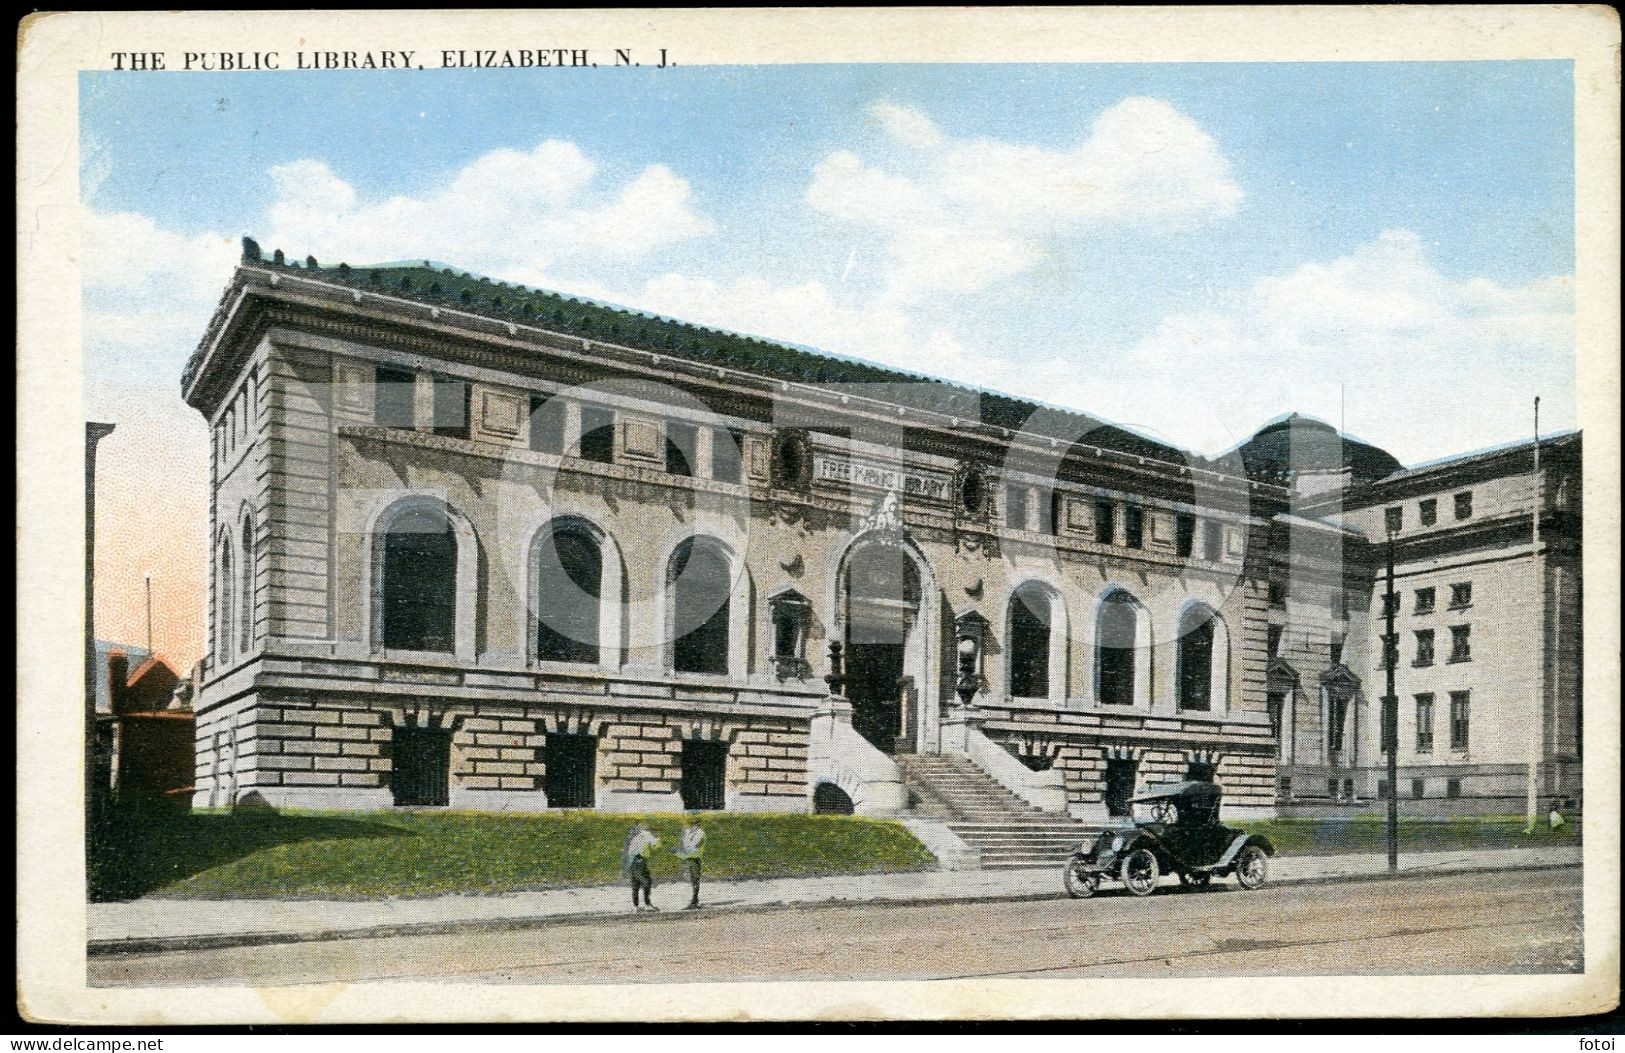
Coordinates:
(888, 645)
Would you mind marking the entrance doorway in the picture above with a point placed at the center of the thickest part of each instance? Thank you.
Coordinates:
(882, 614)
(420, 767)
(572, 770)
(874, 673)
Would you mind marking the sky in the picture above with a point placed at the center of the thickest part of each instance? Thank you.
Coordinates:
(1187, 249)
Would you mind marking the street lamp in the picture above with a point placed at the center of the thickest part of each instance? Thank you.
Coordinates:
(971, 631)
(1390, 708)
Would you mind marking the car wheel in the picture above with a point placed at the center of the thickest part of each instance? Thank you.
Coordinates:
(1194, 881)
(1081, 882)
(1139, 872)
(1252, 866)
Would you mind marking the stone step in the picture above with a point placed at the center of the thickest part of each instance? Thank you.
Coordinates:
(1007, 831)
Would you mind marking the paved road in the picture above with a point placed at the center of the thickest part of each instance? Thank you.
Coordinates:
(1495, 922)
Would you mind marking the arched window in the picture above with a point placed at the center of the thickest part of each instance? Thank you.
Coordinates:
(418, 597)
(226, 580)
(700, 579)
(1030, 626)
(1193, 675)
(1117, 630)
(245, 628)
(569, 588)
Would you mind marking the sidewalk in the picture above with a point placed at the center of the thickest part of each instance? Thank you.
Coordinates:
(155, 924)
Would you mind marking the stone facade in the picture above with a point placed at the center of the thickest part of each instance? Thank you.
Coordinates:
(1117, 592)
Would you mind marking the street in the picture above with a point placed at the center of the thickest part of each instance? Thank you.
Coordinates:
(1511, 921)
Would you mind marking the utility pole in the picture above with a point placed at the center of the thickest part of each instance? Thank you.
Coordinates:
(96, 788)
(149, 614)
(1537, 641)
(1390, 710)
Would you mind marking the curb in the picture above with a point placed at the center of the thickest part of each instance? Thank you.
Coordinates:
(217, 941)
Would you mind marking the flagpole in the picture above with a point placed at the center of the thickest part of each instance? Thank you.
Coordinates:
(1537, 648)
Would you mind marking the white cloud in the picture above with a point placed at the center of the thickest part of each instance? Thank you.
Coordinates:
(149, 291)
(128, 255)
(909, 127)
(508, 212)
(1141, 161)
(1381, 331)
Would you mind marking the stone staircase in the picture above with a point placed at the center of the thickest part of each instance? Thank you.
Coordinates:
(1006, 830)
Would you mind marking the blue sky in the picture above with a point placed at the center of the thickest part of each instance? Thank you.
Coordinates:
(1188, 249)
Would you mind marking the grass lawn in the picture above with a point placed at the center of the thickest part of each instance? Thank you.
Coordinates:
(220, 854)
(1338, 836)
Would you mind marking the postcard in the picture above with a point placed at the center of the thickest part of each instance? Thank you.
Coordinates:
(818, 514)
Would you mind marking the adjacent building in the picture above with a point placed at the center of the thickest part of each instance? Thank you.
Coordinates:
(489, 547)
(1486, 631)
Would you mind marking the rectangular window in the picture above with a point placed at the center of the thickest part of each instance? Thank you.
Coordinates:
(1461, 595)
(571, 770)
(1424, 601)
(1452, 788)
(1461, 644)
(1286, 786)
(1387, 709)
(1419, 789)
(1213, 542)
(1348, 789)
(1015, 507)
(1337, 713)
(597, 434)
(1424, 723)
(1382, 789)
(727, 445)
(1458, 719)
(1394, 519)
(1133, 526)
(1464, 504)
(1390, 651)
(1331, 787)
(451, 407)
(680, 440)
(1428, 512)
(1424, 647)
(1390, 604)
(1105, 523)
(1275, 702)
(546, 424)
(1184, 534)
(704, 770)
(393, 397)
(1052, 512)
(1274, 644)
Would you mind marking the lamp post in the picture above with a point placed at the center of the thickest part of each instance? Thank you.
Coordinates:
(1390, 710)
(969, 682)
(836, 677)
(1537, 641)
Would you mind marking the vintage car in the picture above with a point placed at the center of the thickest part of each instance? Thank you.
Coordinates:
(1184, 836)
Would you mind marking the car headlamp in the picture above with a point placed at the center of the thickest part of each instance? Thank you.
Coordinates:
(1117, 843)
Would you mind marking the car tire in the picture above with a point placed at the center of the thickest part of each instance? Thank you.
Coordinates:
(1252, 867)
(1139, 872)
(1080, 883)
